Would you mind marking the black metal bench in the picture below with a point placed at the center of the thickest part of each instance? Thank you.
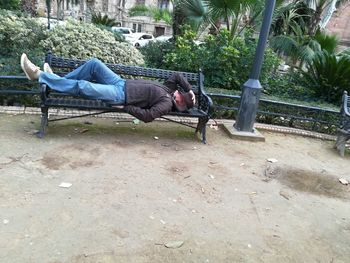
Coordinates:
(61, 66)
(343, 134)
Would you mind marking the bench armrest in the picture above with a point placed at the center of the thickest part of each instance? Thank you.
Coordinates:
(205, 103)
(345, 104)
(344, 112)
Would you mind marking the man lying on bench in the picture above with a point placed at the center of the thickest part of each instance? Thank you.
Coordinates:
(144, 99)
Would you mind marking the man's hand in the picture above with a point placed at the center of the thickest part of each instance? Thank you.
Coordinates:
(193, 96)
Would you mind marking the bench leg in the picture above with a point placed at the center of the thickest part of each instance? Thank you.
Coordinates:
(204, 136)
(340, 144)
(44, 121)
(201, 128)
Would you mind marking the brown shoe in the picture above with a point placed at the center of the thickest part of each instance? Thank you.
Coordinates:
(47, 68)
(32, 72)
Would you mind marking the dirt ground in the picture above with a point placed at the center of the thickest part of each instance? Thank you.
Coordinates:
(133, 195)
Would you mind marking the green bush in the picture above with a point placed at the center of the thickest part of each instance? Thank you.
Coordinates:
(19, 34)
(287, 86)
(328, 75)
(84, 41)
(185, 54)
(226, 62)
(220, 60)
(9, 4)
(247, 48)
(155, 52)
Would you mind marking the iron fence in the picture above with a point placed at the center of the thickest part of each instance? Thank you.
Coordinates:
(280, 113)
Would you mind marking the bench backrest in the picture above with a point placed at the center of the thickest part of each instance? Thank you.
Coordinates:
(67, 65)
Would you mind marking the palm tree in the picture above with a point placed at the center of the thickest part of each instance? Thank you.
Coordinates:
(328, 75)
(287, 16)
(318, 6)
(199, 13)
(226, 9)
(323, 10)
(292, 45)
(300, 48)
(176, 18)
(99, 19)
(212, 12)
(156, 13)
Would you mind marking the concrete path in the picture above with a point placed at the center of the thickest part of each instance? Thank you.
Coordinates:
(154, 193)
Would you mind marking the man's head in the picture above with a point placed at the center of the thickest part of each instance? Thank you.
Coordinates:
(183, 100)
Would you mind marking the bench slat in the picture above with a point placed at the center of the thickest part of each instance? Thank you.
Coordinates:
(100, 105)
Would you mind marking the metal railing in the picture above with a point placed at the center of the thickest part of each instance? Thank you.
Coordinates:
(281, 113)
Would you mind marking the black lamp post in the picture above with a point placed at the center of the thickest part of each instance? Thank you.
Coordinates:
(48, 6)
(252, 88)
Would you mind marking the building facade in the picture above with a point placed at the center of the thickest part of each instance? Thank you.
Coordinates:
(117, 9)
(339, 25)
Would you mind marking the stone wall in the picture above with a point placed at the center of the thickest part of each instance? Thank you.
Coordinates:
(339, 25)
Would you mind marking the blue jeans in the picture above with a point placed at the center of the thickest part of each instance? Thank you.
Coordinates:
(109, 86)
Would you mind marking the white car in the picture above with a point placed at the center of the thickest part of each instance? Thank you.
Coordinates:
(163, 38)
(140, 39)
(125, 31)
(53, 22)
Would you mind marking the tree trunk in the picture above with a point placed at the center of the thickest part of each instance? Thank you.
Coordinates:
(316, 21)
(214, 29)
(48, 8)
(227, 20)
(178, 21)
(329, 12)
(29, 6)
(59, 10)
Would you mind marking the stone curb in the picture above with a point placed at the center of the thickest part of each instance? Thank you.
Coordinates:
(289, 130)
(124, 116)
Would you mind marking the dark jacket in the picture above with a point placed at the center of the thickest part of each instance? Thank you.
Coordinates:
(148, 100)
